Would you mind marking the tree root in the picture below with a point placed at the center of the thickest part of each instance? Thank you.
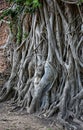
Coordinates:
(46, 73)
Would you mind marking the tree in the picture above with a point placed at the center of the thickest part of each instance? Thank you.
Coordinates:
(46, 54)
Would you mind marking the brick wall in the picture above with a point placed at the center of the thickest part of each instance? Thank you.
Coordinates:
(3, 26)
(3, 38)
(3, 4)
(3, 33)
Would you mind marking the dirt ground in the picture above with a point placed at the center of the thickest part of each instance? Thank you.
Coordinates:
(22, 121)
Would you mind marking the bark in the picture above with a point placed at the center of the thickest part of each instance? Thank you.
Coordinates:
(47, 65)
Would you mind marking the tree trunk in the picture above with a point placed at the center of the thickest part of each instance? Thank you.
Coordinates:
(47, 64)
